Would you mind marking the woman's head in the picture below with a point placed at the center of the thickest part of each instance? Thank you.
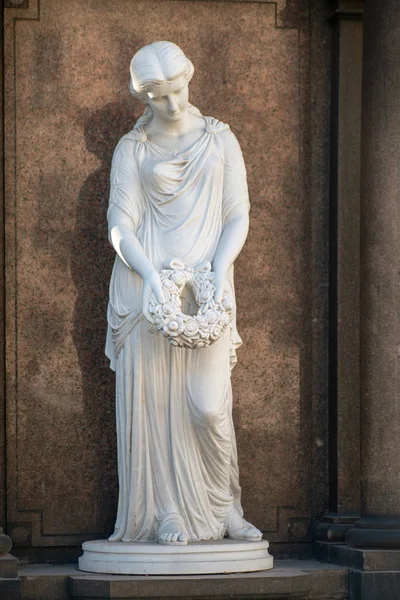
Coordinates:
(156, 65)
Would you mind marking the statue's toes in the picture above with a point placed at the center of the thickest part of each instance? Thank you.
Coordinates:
(238, 534)
(183, 537)
(254, 534)
(173, 537)
(245, 533)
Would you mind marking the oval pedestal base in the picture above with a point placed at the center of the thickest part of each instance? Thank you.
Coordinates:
(196, 558)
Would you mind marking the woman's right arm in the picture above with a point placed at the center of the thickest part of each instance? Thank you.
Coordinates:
(125, 242)
(124, 215)
(129, 249)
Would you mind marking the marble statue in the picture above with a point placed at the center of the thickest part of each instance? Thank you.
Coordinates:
(178, 218)
(178, 201)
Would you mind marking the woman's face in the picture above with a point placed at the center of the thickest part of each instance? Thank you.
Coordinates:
(170, 101)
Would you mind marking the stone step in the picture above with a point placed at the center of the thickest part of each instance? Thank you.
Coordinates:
(358, 558)
(290, 579)
(10, 588)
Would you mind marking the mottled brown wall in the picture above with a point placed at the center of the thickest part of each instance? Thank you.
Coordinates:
(67, 104)
(2, 307)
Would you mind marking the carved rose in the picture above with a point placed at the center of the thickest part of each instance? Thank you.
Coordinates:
(191, 328)
(179, 278)
(206, 295)
(226, 318)
(212, 315)
(173, 327)
(170, 286)
(168, 308)
(156, 309)
(215, 331)
(202, 322)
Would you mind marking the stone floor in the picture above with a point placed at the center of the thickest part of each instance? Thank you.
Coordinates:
(294, 579)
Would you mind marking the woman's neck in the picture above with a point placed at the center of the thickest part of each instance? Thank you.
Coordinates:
(173, 128)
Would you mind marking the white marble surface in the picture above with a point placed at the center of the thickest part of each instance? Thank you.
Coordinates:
(178, 196)
(198, 558)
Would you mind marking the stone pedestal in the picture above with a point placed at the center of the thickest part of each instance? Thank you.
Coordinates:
(379, 526)
(10, 584)
(198, 558)
(294, 579)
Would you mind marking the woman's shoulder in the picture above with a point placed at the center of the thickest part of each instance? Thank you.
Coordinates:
(130, 139)
(215, 125)
(228, 140)
(128, 142)
(222, 129)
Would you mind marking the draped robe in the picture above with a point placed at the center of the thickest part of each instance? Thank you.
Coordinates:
(176, 443)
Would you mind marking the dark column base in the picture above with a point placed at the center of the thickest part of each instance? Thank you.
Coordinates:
(374, 574)
(375, 532)
(334, 526)
(374, 585)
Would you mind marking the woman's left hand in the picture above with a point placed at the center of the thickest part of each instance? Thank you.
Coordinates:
(222, 285)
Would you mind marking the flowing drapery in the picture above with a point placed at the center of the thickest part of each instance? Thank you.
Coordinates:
(176, 443)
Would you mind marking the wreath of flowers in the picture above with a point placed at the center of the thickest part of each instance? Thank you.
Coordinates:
(190, 331)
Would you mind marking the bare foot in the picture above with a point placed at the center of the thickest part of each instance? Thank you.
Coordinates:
(171, 532)
(239, 529)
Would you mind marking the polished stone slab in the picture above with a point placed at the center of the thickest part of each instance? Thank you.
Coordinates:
(294, 579)
(149, 558)
(358, 558)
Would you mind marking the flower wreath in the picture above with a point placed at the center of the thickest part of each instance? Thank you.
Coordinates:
(186, 331)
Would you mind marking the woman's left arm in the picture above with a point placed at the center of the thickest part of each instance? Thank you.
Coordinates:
(231, 242)
(235, 213)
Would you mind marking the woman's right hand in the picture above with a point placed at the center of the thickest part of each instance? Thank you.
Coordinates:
(151, 283)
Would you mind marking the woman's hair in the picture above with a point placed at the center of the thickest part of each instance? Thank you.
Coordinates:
(157, 64)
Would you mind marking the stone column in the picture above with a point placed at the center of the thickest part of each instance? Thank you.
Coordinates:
(344, 268)
(379, 526)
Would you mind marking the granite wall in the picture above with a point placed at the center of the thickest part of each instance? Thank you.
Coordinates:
(261, 67)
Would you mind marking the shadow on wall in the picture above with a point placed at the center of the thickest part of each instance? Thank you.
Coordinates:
(91, 264)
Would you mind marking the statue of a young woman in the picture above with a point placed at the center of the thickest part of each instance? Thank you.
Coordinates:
(178, 191)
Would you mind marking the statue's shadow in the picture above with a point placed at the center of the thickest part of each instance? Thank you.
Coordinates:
(91, 264)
